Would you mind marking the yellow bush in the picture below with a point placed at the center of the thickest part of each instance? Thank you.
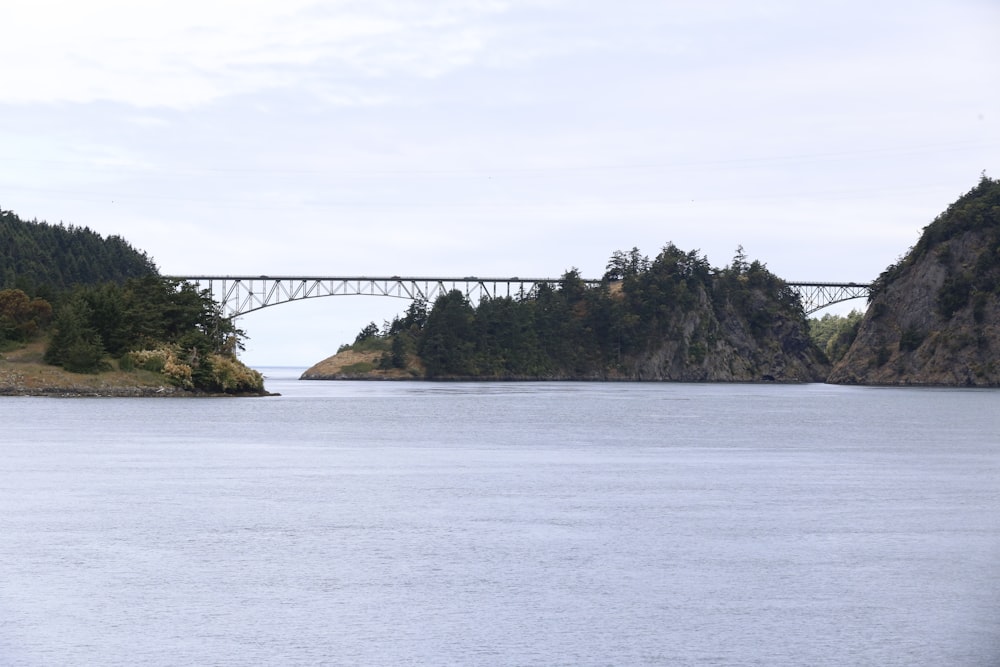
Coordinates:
(164, 360)
(229, 374)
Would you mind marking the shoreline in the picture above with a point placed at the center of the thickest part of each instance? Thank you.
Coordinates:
(23, 373)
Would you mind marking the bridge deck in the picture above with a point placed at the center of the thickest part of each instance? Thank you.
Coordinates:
(244, 294)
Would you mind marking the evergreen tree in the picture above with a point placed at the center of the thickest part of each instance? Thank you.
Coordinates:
(447, 345)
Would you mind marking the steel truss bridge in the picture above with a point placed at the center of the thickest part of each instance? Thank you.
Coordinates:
(238, 295)
(817, 296)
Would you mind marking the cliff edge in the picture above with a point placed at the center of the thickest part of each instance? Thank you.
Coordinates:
(934, 317)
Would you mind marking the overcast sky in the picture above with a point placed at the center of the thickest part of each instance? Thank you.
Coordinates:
(492, 137)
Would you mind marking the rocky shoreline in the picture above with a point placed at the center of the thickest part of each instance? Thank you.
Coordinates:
(23, 373)
(93, 392)
(94, 386)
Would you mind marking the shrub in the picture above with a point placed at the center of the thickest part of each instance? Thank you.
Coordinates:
(910, 339)
(228, 375)
(954, 294)
(163, 360)
(359, 367)
(84, 357)
(149, 360)
(126, 363)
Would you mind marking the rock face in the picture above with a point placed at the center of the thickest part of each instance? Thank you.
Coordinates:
(735, 342)
(934, 318)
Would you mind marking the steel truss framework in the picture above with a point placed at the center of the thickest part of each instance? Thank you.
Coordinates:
(238, 295)
(817, 296)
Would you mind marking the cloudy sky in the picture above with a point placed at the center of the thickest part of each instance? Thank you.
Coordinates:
(492, 137)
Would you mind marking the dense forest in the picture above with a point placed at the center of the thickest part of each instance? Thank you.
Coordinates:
(44, 259)
(99, 304)
(670, 317)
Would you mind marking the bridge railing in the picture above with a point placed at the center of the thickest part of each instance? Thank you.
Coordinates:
(238, 295)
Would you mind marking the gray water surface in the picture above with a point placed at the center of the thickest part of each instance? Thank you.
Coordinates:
(503, 524)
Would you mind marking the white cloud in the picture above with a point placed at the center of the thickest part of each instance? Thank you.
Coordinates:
(186, 54)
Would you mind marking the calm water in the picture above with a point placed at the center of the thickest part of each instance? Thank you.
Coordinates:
(503, 524)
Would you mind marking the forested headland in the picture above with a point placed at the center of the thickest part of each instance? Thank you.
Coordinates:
(88, 304)
(670, 317)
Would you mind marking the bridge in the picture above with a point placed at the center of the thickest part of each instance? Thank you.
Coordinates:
(817, 296)
(238, 295)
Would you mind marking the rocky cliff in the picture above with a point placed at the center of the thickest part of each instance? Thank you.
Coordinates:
(934, 317)
(756, 337)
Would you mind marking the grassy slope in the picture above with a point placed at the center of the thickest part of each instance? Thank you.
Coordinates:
(360, 362)
(22, 372)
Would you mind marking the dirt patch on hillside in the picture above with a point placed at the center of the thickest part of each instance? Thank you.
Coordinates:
(360, 365)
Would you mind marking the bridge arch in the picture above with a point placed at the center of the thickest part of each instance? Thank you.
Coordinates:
(817, 296)
(238, 295)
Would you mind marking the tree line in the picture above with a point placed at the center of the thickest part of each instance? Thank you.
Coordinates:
(43, 259)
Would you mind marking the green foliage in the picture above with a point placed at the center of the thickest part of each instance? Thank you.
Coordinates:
(84, 356)
(358, 368)
(834, 333)
(144, 313)
(76, 344)
(376, 342)
(111, 303)
(397, 356)
(954, 294)
(447, 343)
(370, 330)
(413, 321)
(567, 329)
(759, 296)
(910, 339)
(44, 259)
(623, 265)
(400, 346)
(976, 211)
(154, 324)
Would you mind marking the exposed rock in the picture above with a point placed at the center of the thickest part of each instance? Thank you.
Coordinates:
(717, 342)
(934, 318)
